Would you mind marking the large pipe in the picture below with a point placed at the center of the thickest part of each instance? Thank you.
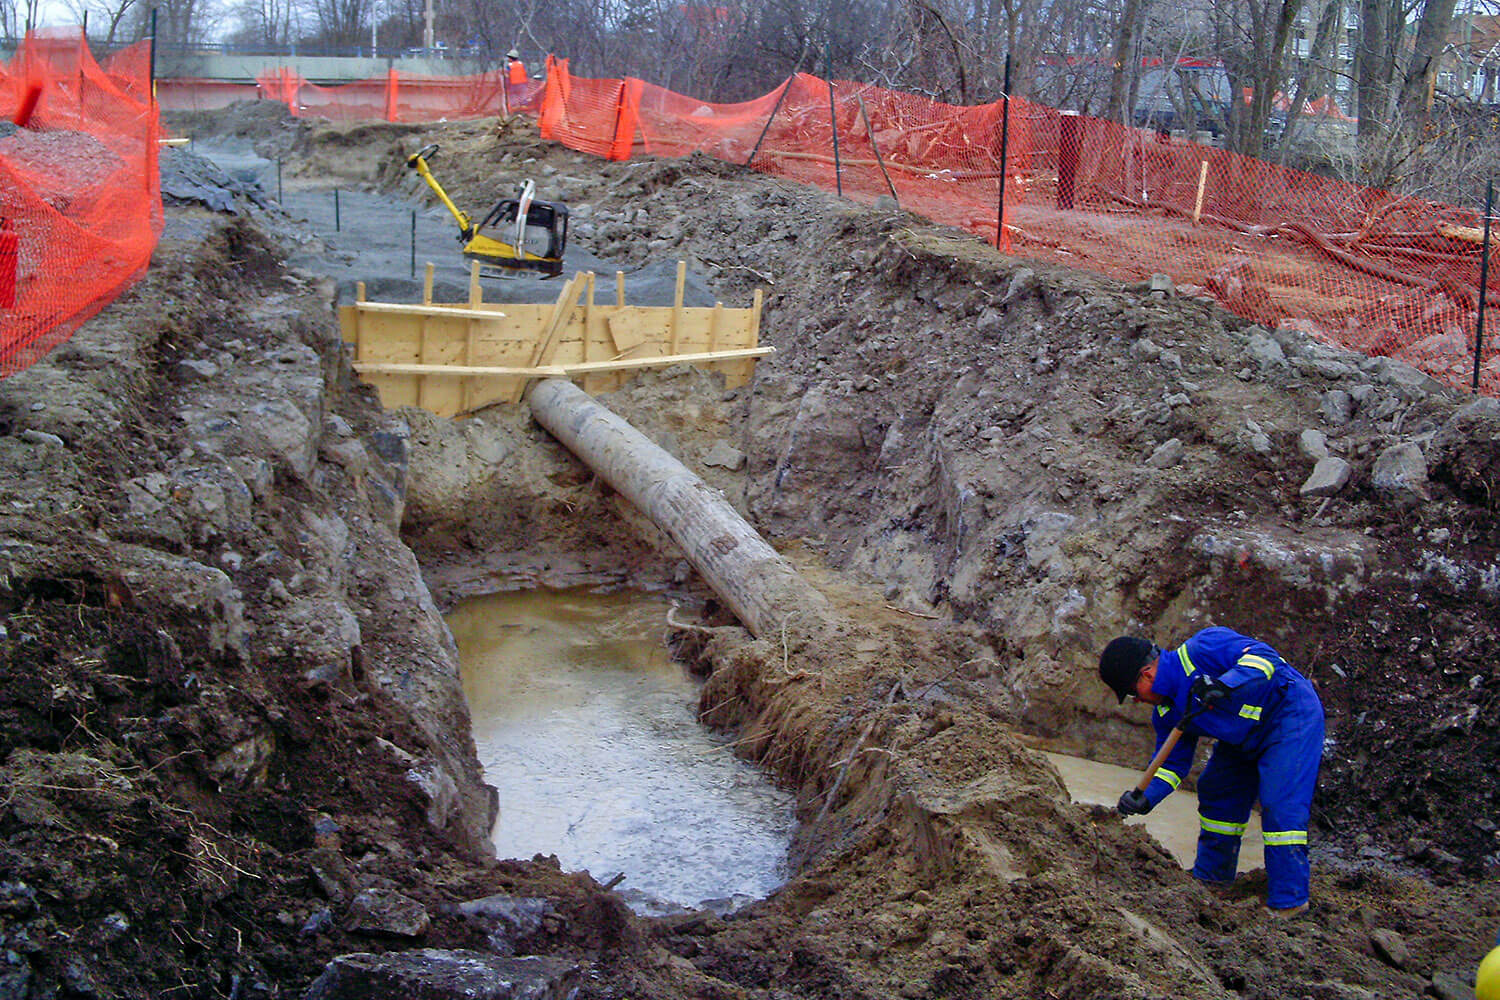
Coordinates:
(758, 585)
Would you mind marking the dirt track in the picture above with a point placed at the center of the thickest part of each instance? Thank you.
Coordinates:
(212, 784)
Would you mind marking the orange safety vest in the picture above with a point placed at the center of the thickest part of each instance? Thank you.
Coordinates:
(517, 72)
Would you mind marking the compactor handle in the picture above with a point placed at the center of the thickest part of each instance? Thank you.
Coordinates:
(425, 153)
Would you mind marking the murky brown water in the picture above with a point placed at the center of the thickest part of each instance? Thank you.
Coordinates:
(589, 732)
(1174, 823)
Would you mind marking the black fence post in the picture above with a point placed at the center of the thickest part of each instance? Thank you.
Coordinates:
(152, 81)
(1004, 151)
(335, 209)
(278, 180)
(1484, 279)
(414, 243)
(770, 118)
(833, 120)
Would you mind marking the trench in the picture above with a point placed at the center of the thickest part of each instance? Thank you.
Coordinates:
(588, 729)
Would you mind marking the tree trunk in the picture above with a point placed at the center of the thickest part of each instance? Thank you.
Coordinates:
(1124, 48)
(1432, 31)
(758, 585)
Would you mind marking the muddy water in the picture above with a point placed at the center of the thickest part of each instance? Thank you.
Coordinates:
(589, 732)
(1174, 822)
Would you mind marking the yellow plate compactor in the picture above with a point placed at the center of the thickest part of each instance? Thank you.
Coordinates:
(529, 235)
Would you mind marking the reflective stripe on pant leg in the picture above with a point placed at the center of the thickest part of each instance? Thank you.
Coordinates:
(1226, 791)
(1288, 776)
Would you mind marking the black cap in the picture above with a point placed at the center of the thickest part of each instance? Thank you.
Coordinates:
(1121, 663)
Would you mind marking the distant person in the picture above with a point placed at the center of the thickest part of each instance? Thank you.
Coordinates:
(1268, 722)
(515, 69)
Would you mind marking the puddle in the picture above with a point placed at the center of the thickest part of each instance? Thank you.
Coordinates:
(1174, 823)
(589, 732)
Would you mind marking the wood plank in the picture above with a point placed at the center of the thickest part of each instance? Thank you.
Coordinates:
(427, 284)
(411, 309)
(667, 359)
(677, 306)
(458, 371)
(566, 300)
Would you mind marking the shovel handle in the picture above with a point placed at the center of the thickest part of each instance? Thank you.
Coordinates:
(1167, 746)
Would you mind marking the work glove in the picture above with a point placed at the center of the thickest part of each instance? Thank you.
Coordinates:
(1134, 803)
(1209, 691)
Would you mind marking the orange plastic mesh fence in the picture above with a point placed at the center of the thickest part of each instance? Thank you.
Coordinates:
(80, 198)
(401, 97)
(1351, 265)
(190, 94)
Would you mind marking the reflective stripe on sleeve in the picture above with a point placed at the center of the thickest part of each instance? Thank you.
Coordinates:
(1227, 829)
(1258, 662)
(1163, 709)
(1170, 777)
(1285, 838)
(1250, 712)
(1187, 661)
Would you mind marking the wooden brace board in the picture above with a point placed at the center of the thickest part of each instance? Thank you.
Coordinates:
(453, 358)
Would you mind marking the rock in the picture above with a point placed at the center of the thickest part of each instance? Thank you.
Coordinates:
(443, 800)
(506, 919)
(1166, 455)
(196, 369)
(1465, 451)
(1022, 283)
(1401, 471)
(1337, 408)
(1313, 444)
(433, 974)
(885, 203)
(41, 437)
(1146, 348)
(991, 321)
(724, 456)
(386, 911)
(1328, 477)
(1450, 986)
(1390, 947)
(1161, 286)
(1264, 351)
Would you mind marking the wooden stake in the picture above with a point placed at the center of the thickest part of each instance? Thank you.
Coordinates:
(620, 289)
(1202, 180)
(427, 285)
(588, 325)
(476, 298)
(713, 327)
(677, 306)
(359, 297)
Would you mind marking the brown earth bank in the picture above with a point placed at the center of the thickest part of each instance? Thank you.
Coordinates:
(235, 747)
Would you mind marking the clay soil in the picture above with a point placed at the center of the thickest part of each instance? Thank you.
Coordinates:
(229, 712)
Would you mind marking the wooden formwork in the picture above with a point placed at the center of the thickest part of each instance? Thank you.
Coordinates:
(455, 358)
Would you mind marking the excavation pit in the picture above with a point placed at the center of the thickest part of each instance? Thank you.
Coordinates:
(587, 727)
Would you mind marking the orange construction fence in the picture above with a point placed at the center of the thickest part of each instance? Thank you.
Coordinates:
(80, 195)
(402, 97)
(1354, 266)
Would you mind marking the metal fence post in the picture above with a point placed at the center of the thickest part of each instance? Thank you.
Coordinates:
(335, 209)
(1484, 279)
(1000, 241)
(838, 173)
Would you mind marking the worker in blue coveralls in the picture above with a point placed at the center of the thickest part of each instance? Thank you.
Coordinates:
(1268, 723)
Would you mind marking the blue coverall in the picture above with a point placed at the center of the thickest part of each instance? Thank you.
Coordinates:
(1269, 730)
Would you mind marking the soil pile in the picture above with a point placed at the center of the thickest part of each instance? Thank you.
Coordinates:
(234, 744)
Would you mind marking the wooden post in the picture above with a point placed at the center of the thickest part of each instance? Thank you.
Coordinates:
(1202, 180)
(359, 296)
(476, 298)
(672, 334)
(427, 285)
(588, 325)
(620, 289)
(757, 584)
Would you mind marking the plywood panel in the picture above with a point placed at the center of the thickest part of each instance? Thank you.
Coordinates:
(576, 329)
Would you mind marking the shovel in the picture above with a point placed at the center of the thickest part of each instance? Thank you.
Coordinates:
(1170, 743)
